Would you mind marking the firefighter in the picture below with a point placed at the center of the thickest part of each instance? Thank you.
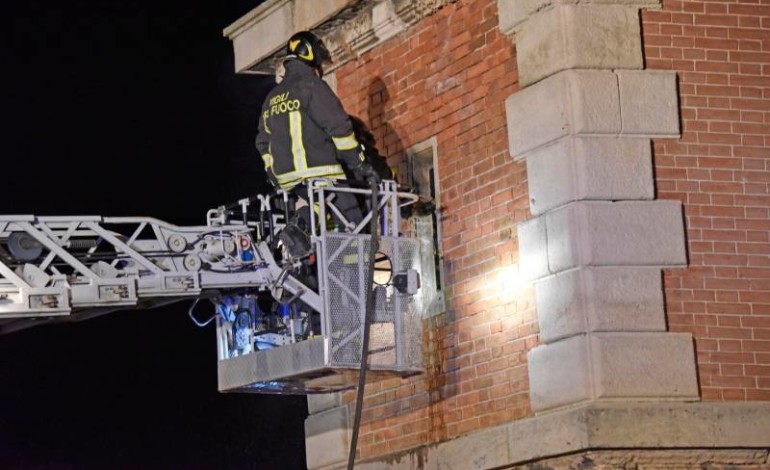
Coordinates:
(305, 133)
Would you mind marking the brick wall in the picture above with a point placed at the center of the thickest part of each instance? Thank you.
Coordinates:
(448, 77)
(719, 169)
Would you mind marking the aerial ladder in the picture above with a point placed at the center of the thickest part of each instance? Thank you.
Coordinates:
(283, 325)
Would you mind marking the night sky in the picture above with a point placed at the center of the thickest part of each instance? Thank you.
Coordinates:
(129, 108)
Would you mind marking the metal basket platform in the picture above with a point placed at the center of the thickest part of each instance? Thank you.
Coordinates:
(330, 361)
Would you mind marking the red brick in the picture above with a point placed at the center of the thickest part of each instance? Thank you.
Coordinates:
(712, 43)
(716, 20)
(725, 102)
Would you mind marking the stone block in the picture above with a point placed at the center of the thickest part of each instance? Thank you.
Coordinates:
(633, 233)
(732, 459)
(323, 401)
(594, 100)
(612, 366)
(706, 425)
(385, 21)
(578, 37)
(310, 13)
(597, 233)
(533, 249)
(552, 175)
(559, 373)
(589, 168)
(592, 103)
(538, 115)
(569, 103)
(629, 425)
(415, 460)
(600, 299)
(514, 12)
(327, 438)
(649, 103)
(261, 33)
(539, 436)
(644, 366)
(486, 449)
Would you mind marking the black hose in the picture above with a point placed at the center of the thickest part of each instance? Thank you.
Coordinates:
(368, 315)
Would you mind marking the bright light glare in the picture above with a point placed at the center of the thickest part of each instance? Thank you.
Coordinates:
(510, 282)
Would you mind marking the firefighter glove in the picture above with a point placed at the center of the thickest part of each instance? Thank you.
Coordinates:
(365, 172)
(271, 178)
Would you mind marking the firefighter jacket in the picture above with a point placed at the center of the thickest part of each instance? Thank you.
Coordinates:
(304, 132)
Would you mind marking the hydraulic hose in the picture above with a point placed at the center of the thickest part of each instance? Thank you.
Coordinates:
(368, 315)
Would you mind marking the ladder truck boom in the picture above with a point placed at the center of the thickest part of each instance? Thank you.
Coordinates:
(277, 332)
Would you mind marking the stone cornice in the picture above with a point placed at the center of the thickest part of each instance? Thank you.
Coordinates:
(348, 27)
(374, 24)
(256, 15)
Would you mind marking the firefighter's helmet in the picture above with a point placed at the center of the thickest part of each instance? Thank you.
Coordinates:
(308, 48)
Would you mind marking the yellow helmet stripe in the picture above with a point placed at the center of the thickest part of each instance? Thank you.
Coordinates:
(309, 56)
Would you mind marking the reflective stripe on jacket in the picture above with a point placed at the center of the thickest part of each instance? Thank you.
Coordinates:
(304, 132)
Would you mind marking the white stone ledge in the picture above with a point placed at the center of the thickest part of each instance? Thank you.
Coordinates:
(600, 300)
(589, 103)
(514, 12)
(589, 168)
(630, 426)
(634, 233)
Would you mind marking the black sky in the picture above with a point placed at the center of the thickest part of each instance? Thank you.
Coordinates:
(129, 108)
